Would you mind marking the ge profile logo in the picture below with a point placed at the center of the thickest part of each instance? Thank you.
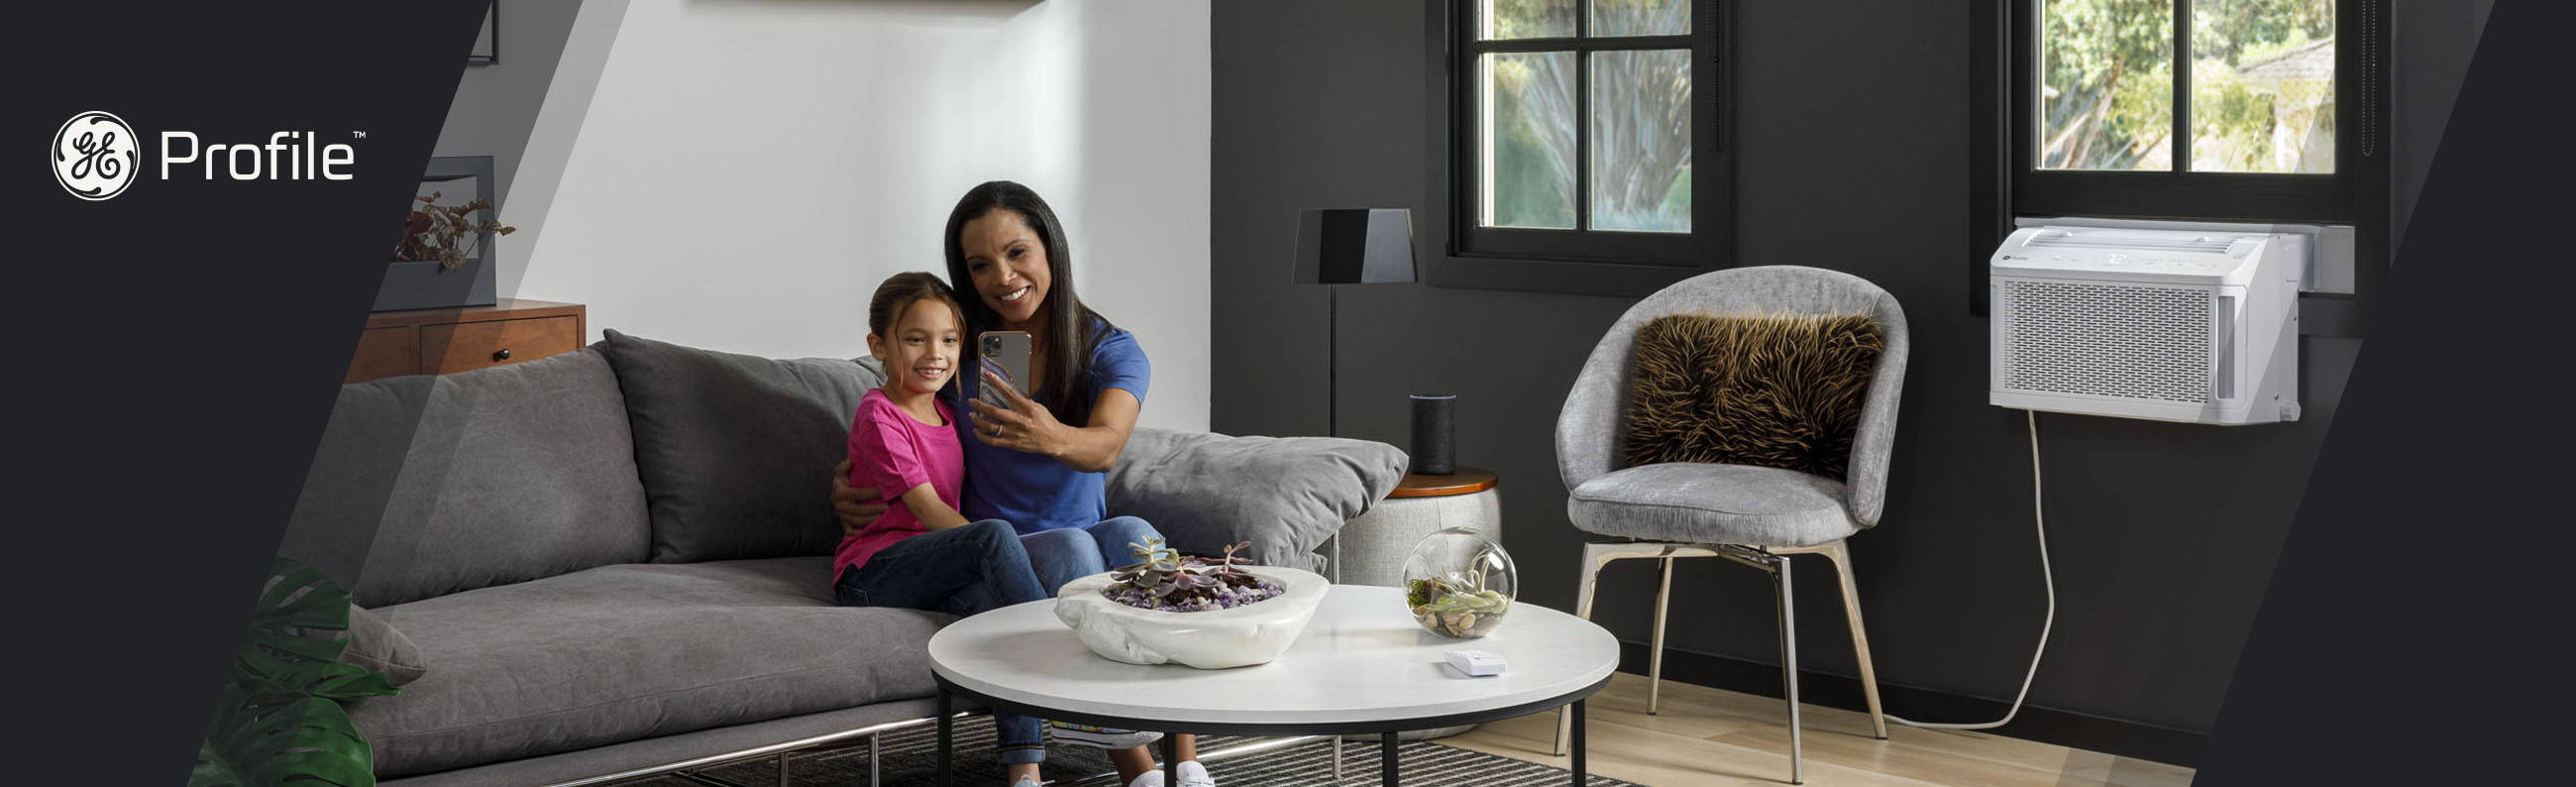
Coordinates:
(95, 155)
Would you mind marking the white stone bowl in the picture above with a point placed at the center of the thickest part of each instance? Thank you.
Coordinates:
(1213, 639)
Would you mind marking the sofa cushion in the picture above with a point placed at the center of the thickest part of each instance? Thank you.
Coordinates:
(355, 469)
(376, 645)
(626, 652)
(424, 486)
(736, 451)
(1286, 495)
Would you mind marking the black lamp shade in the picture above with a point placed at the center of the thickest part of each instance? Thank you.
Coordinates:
(1355, 246)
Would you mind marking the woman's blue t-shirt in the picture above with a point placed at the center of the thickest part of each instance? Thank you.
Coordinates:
(1035, 492)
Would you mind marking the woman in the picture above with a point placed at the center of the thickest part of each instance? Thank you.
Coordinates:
(1040, 464)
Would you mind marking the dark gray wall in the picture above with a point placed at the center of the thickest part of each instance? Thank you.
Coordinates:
(2434, 41)
(1852, 142)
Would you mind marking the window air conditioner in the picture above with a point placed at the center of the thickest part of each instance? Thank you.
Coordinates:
(2199, 327)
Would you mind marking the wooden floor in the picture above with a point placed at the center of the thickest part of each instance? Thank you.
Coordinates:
(1706, 736)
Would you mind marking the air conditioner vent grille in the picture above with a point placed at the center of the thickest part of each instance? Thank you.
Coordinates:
(2161, 242)
(2108, 340)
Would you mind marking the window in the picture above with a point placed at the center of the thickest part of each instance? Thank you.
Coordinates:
(2257, 95)
(2221, 110)
(1583, 144)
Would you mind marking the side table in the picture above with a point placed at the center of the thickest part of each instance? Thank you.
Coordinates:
(1371, 550)
(447, 341)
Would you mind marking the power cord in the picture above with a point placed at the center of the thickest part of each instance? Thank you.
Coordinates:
(2048, 580)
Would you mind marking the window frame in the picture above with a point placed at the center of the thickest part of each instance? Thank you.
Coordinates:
(2006, 181)
(1579, 260)
(2324, 198)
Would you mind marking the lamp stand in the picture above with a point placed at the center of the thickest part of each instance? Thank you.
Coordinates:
(1333, 363)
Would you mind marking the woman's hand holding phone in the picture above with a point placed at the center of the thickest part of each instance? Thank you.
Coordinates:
(1005, 353)
(1021, 424)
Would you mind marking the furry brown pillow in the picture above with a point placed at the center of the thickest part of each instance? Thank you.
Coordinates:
(1774, 391)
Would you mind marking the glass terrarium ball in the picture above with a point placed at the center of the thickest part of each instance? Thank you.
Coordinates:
(1458, 583)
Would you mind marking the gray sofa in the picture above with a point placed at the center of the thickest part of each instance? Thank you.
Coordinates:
(618, 559)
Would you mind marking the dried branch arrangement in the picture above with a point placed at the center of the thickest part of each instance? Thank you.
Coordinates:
(449, 235)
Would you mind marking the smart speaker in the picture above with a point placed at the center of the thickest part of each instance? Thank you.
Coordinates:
(1435, 434)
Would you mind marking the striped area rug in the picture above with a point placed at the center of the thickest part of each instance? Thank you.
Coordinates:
(908, 757)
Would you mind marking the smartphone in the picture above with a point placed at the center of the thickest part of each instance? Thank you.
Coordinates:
(1005, 353)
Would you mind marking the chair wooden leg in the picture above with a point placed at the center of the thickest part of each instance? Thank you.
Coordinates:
(1841, 557)
(1655, 658)
(1789, 663)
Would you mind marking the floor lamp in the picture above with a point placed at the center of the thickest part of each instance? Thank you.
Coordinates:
(1351, 246)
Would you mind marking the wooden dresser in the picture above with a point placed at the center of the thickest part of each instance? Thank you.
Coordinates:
(442, 341)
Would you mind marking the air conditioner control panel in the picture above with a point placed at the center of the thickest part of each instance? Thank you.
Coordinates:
(2181, 257)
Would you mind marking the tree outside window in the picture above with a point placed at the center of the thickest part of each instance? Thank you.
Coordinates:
(1584, 146)
(2260, 85)
(1618, 80)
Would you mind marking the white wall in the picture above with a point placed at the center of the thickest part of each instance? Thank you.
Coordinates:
(496, 104)
(747, 171)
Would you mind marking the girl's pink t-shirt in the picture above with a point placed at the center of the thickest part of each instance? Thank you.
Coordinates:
(894, 452)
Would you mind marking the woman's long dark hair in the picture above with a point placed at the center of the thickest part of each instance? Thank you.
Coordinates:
(1072, 329)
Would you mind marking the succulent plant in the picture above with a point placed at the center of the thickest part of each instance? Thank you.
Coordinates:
(1457, 604)
(1164, 579)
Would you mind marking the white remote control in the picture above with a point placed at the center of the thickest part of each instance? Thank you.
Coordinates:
(1475, 663)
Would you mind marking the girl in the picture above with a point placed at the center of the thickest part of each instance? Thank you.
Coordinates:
(920, 553)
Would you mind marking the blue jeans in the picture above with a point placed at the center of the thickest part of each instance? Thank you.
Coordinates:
(961, 571)
(1069, 553)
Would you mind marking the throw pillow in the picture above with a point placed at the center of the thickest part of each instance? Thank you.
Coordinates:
(1779, 391)
(376, 645)
(1286, 495)
(736, 451)
(442, 484)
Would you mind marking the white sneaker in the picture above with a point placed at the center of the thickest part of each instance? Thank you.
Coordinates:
(1193, 774)
(1152, 778)
(1025, 782)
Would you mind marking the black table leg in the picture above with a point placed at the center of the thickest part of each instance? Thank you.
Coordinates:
(1579, 778)
(947, 738)
(1386, 759)
(1172, 759)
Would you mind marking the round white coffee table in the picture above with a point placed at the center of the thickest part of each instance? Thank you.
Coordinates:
(1362, 666)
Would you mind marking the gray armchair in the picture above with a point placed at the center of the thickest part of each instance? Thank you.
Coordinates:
(1755, 516)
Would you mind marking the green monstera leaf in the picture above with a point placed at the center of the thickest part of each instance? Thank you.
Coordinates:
(281, 722)
(306, 742)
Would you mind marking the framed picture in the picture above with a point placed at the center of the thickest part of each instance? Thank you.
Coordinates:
(487, 42)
